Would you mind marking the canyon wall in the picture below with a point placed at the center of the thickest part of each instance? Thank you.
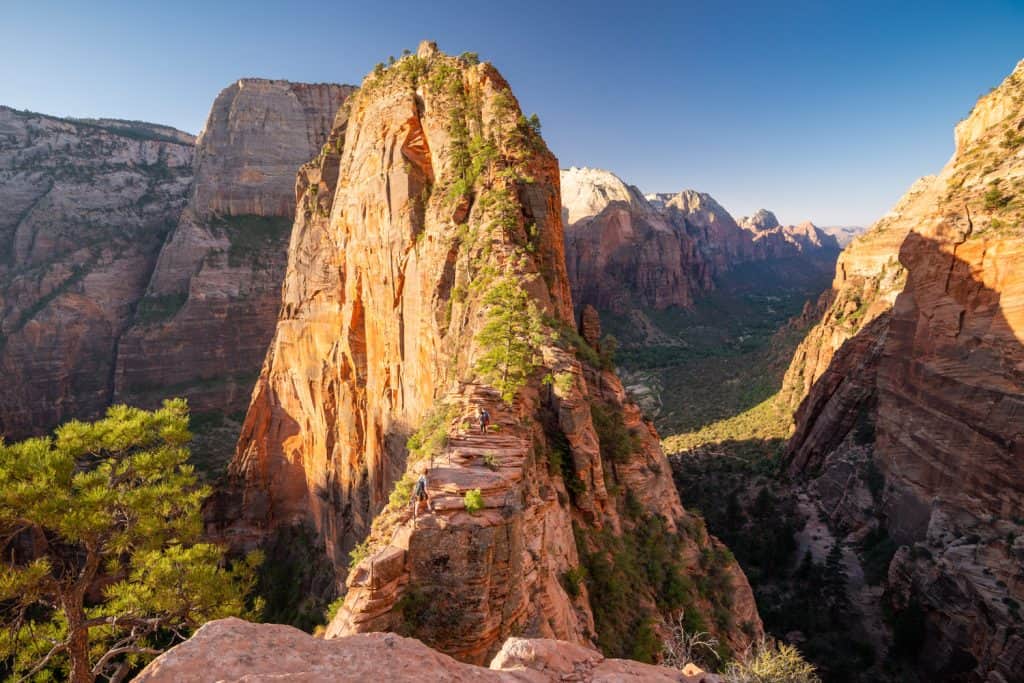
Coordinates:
(626, 252)
(211, 304)
(917, 367)
(428, 238)
(145, 264)
(84, 209)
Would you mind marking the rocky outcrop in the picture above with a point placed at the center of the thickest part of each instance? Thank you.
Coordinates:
(433, 208)
(84, 209)
(925, 354)
(761, 220)
(626, 252)
(622, 253)
(210, 307)
(234, 650)
(130, 280)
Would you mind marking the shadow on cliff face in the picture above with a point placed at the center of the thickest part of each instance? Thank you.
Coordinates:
(939, 379)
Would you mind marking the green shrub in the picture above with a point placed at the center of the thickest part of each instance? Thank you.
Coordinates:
(333, 608)
(358, 554)
(402, 493)
(571, 580)
(473, 501)
(432, 437)
(490, 462)
(771, 663)
(616, 441)
(994, 197)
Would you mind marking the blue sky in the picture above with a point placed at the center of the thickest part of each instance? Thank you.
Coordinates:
(818, 110)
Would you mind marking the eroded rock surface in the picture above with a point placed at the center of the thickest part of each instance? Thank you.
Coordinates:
(626, 252)
(432, 192)
(84, 209)
(231, 650)
(211, 304)
(919, 356)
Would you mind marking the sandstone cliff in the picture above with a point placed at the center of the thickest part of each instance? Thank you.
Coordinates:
(917, 368)
(621, 252)
(434, 207)
(129, 278)
(234, 650)
(84, 209)
(626, 252)
(210, 306)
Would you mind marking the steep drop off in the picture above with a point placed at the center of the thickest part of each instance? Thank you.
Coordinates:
(210, 307)
(910, 395)
(131, 279)
(84, 209)
(430, 218)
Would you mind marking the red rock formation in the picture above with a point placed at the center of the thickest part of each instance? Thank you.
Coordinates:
(399, 238)
(232, 650)
(84, 208)
(626, 252)
(212, 302)
(937, 377)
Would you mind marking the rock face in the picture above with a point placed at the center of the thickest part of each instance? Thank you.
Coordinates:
(234, 650)
(924, 357)
(84, 209)
(211, 304)
(433, 196)
(128, 278)
(621, 252)
(626, 252)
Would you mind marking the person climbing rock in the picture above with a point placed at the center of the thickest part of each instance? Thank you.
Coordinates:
(485, 419)
(419, 494)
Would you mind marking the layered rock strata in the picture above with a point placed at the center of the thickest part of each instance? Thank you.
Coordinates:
(84, 209)
(922, 357)
(626, 252)
(211, 304)
(432, 203)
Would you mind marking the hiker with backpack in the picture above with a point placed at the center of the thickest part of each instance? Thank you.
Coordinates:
(485, 419)
(419, 495)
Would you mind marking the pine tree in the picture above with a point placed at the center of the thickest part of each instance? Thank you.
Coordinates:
(102, 561)
(834, 582)
(511, 338)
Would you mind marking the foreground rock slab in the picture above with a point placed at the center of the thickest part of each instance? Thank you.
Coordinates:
(236, 650)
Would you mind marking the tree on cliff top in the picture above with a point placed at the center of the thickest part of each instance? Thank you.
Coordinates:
(102, 565)
(511, 338)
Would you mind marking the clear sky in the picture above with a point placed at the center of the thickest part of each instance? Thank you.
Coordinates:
(819, 110)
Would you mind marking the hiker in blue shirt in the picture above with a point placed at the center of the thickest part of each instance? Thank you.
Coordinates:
(485, 419)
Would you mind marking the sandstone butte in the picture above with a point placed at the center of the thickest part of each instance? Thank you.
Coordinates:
(432, 190)
(144, 263)
(232, 650)
(916, 372)
(211, 303)
(625, 252)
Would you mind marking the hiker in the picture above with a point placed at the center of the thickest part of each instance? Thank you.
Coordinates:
(485, 419)
(419, 494)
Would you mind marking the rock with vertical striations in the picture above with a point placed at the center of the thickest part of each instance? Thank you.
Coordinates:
(211, 304)
(432, 196)
(85, 206)
(920, 357)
